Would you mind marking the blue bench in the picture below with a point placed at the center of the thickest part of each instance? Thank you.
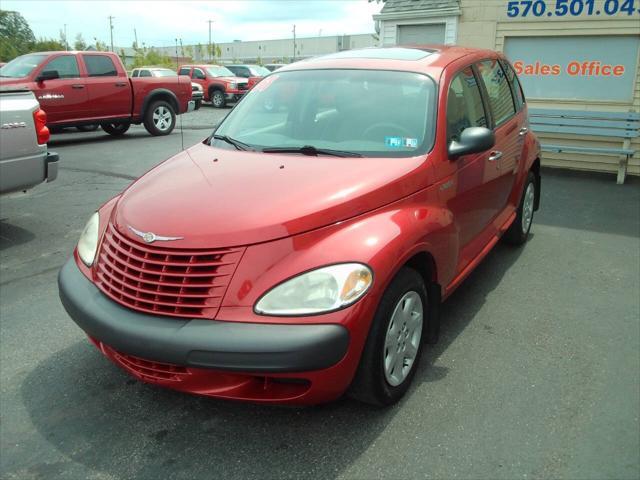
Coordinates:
(619, 125)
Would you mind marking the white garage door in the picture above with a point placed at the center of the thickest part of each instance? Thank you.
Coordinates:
(408, 34)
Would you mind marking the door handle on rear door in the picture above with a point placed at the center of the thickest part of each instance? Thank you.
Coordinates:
(121, 84)
(523, 131)
(495, 155)
(77, 86)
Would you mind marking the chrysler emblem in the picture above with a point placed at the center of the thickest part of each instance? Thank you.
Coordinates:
(150, 237)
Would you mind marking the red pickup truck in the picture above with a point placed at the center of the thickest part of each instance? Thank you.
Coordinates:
(85, 88)
(219, 83)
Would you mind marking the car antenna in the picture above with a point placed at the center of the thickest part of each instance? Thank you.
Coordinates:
(178, 67)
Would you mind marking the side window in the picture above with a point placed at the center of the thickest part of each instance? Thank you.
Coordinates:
(500, 99)
(65, 65)
(199, 74)
(515, 84)
(464, 105)
(145, 73)
(134, 74)
(100, 66)
(184, 71)
(244, 72)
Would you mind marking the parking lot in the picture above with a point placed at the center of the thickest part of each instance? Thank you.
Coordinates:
(536, 374)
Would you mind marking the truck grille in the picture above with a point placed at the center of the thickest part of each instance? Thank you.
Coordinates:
(243, 86)
(165, 281)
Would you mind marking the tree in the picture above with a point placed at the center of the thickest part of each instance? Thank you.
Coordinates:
(100, 46)
(16, 37)
(46, 45)
(79, 44)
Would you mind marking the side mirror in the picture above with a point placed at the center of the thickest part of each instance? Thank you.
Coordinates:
(48, 75)
(472, 140)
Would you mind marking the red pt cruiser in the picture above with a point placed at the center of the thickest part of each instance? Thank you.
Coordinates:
(302, 250)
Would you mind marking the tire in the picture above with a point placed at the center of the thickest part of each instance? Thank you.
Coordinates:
(88, 128)
(518, 232)
(115, 129)
(198, 104)
(160, 118)
(217, 99)
(379, 380)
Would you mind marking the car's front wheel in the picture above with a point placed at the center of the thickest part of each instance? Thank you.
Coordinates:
(115, 129)
(160, 118)
(217, 99)
(518, 232)
(394, 344)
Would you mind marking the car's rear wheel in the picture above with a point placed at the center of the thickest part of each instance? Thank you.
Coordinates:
(518, 232)
(217, 99)
(160, 118)
(115, 129)
(394, 344)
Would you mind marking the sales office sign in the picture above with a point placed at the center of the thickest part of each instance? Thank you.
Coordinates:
(575, 67)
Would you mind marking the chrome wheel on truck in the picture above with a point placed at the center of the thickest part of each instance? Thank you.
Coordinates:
(160, 118)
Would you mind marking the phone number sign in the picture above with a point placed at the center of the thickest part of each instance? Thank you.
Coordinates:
(576, 67)
(572, 8)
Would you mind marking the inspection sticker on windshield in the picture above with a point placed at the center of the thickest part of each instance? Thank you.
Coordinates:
(399, 142)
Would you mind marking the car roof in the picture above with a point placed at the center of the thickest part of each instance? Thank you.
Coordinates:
(431, 58)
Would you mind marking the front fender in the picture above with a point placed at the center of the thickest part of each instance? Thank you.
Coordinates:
(384, 239)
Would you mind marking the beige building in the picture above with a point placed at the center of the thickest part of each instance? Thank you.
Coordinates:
(550, 40)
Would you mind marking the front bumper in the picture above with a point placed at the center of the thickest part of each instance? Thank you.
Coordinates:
(202, 344)
(234, 97)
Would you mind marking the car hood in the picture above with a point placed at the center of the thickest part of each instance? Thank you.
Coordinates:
(220, 198)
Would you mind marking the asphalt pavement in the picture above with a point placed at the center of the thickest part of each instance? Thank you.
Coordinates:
(536, 375)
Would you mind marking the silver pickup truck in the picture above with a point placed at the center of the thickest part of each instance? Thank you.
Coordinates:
(24, 159)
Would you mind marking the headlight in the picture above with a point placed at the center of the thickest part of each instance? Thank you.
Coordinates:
(88, 243)
(233, 86)
(322, 290)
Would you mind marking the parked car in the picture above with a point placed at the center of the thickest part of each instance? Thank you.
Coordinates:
(218, 83)
(24, 158)
(253, 73)
(197, 94)
(295, 260)
(273, 66)
(85, 88)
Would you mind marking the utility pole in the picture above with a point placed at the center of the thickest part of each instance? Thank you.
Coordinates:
(135, 36)
(209, 51)
(294, 43)
(111, 30)
(66, 42)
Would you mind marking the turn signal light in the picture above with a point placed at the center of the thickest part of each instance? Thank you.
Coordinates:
(40, 121)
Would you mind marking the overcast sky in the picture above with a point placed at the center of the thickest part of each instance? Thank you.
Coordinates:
(159, 22)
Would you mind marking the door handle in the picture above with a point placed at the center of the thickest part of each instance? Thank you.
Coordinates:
(523, 131)
(495, 155)
(77, 86)
(121, 84)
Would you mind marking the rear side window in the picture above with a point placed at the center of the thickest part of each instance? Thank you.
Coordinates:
(515, 85)
(498, 90)
(464, 105)
(184, 71)
(100, 66)
(65, 65)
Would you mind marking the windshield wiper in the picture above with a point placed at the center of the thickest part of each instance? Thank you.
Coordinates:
(232, 141)
(311, 151)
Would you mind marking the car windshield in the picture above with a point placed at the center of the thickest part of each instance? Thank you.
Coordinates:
(258, 71)
(367, 112)
(163, 73)
(22, 66)
(220, 72)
